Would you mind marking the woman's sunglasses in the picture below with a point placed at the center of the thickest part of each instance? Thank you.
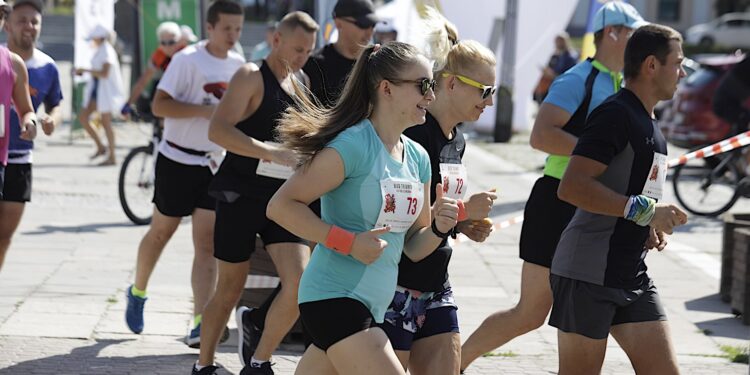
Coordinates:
(167, 43)
(487, 91)
(424, 84)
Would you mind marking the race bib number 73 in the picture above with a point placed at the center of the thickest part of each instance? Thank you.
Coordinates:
(402, 203)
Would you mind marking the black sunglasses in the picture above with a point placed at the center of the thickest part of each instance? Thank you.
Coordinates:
(361, 24)
(168, 43)
(424, 84)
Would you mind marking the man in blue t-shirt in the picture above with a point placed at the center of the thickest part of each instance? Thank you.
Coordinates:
(23, 27)
(561, 118)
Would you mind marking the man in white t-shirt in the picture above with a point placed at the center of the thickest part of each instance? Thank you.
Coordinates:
(186, 97)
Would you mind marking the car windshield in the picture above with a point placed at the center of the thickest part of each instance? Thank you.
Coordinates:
(701, 77)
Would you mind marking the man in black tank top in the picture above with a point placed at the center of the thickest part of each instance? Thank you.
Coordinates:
(327, 70)
(254, 168)
(329, 66)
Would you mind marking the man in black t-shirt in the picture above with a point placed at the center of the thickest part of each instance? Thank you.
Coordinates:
(329, 67)
(615, 177)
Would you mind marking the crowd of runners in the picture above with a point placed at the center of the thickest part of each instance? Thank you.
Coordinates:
(346, 163)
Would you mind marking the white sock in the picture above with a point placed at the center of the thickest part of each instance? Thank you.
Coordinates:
(256, 363)
(199, 367)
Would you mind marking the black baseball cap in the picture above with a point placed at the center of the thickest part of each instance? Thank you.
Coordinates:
(363, 12)
(36, 4)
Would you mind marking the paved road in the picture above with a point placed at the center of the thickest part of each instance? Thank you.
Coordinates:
(61, 291)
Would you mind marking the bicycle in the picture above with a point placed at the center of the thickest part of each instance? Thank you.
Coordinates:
(136, 181)
(711, 186)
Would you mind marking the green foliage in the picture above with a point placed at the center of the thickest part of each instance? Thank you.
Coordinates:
(508, 354)
(736, 354)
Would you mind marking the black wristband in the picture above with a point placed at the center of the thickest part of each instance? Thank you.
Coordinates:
(438, 232)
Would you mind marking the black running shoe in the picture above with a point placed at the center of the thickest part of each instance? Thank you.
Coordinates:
(249, 335)
(208, 370)
(264, 369)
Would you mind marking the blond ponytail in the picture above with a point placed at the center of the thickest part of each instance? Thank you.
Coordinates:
(448, 52)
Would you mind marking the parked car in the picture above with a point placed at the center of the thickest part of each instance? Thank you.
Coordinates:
(689, 121)
(731, 30)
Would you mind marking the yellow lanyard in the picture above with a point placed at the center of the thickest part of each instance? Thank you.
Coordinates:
(616, 77)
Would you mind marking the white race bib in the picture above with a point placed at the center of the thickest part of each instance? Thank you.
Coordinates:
(270, 169)
(214, 160)
(2, 120)
(402, 203)
(454, 180)
(657, 175)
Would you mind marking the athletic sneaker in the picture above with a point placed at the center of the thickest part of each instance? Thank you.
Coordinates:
(193, 338)
(134, 311)
(249, 335)
(264, 369)
(208, 370)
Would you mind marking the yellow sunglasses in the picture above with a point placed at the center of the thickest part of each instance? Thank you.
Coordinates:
(486, 90)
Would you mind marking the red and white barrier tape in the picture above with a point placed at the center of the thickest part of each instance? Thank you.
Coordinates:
(729, 144)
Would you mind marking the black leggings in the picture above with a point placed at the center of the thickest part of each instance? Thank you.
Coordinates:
(332, 320)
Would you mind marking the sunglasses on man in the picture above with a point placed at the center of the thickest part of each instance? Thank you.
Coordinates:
(360, 23)
(167, 43)
(424, 84)
(487, 91)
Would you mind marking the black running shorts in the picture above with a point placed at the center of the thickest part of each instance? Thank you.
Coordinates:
(180, 188)
(545, 218)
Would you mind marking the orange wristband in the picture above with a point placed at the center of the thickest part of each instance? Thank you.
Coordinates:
(462, 215)
(339, 240)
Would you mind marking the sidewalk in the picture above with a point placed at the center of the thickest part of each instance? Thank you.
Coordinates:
(62, 287)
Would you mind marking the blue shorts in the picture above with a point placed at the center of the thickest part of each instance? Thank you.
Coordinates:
(414, 315)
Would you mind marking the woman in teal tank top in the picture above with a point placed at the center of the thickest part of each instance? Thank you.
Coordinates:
(373, 183)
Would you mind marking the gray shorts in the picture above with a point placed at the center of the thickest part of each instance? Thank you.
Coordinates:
(591, 310)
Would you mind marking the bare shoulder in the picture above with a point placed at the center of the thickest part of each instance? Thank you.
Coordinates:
(17, 61)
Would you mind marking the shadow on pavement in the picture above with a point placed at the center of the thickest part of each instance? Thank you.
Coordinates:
(506, 208)
(86, 361)
(709, 303)
(725, 327)
(699, 224)
(87, 228)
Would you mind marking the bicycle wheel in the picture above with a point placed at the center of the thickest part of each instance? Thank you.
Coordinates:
(706, 189)
(136, 185)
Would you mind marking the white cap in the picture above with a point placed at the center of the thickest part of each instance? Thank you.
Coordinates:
(187, 33)
(99, 31)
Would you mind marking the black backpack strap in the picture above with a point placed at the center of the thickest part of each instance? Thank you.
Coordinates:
(577, 122)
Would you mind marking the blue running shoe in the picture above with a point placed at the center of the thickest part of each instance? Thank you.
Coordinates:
(134, 312)
(193, 338)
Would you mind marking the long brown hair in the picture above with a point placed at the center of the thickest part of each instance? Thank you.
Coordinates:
(307, 127)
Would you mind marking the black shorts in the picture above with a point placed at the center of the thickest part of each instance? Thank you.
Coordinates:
(545, 218)
(591, 310)
(179, 188)
(332, 320)
(17, 186)
(237, 224)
